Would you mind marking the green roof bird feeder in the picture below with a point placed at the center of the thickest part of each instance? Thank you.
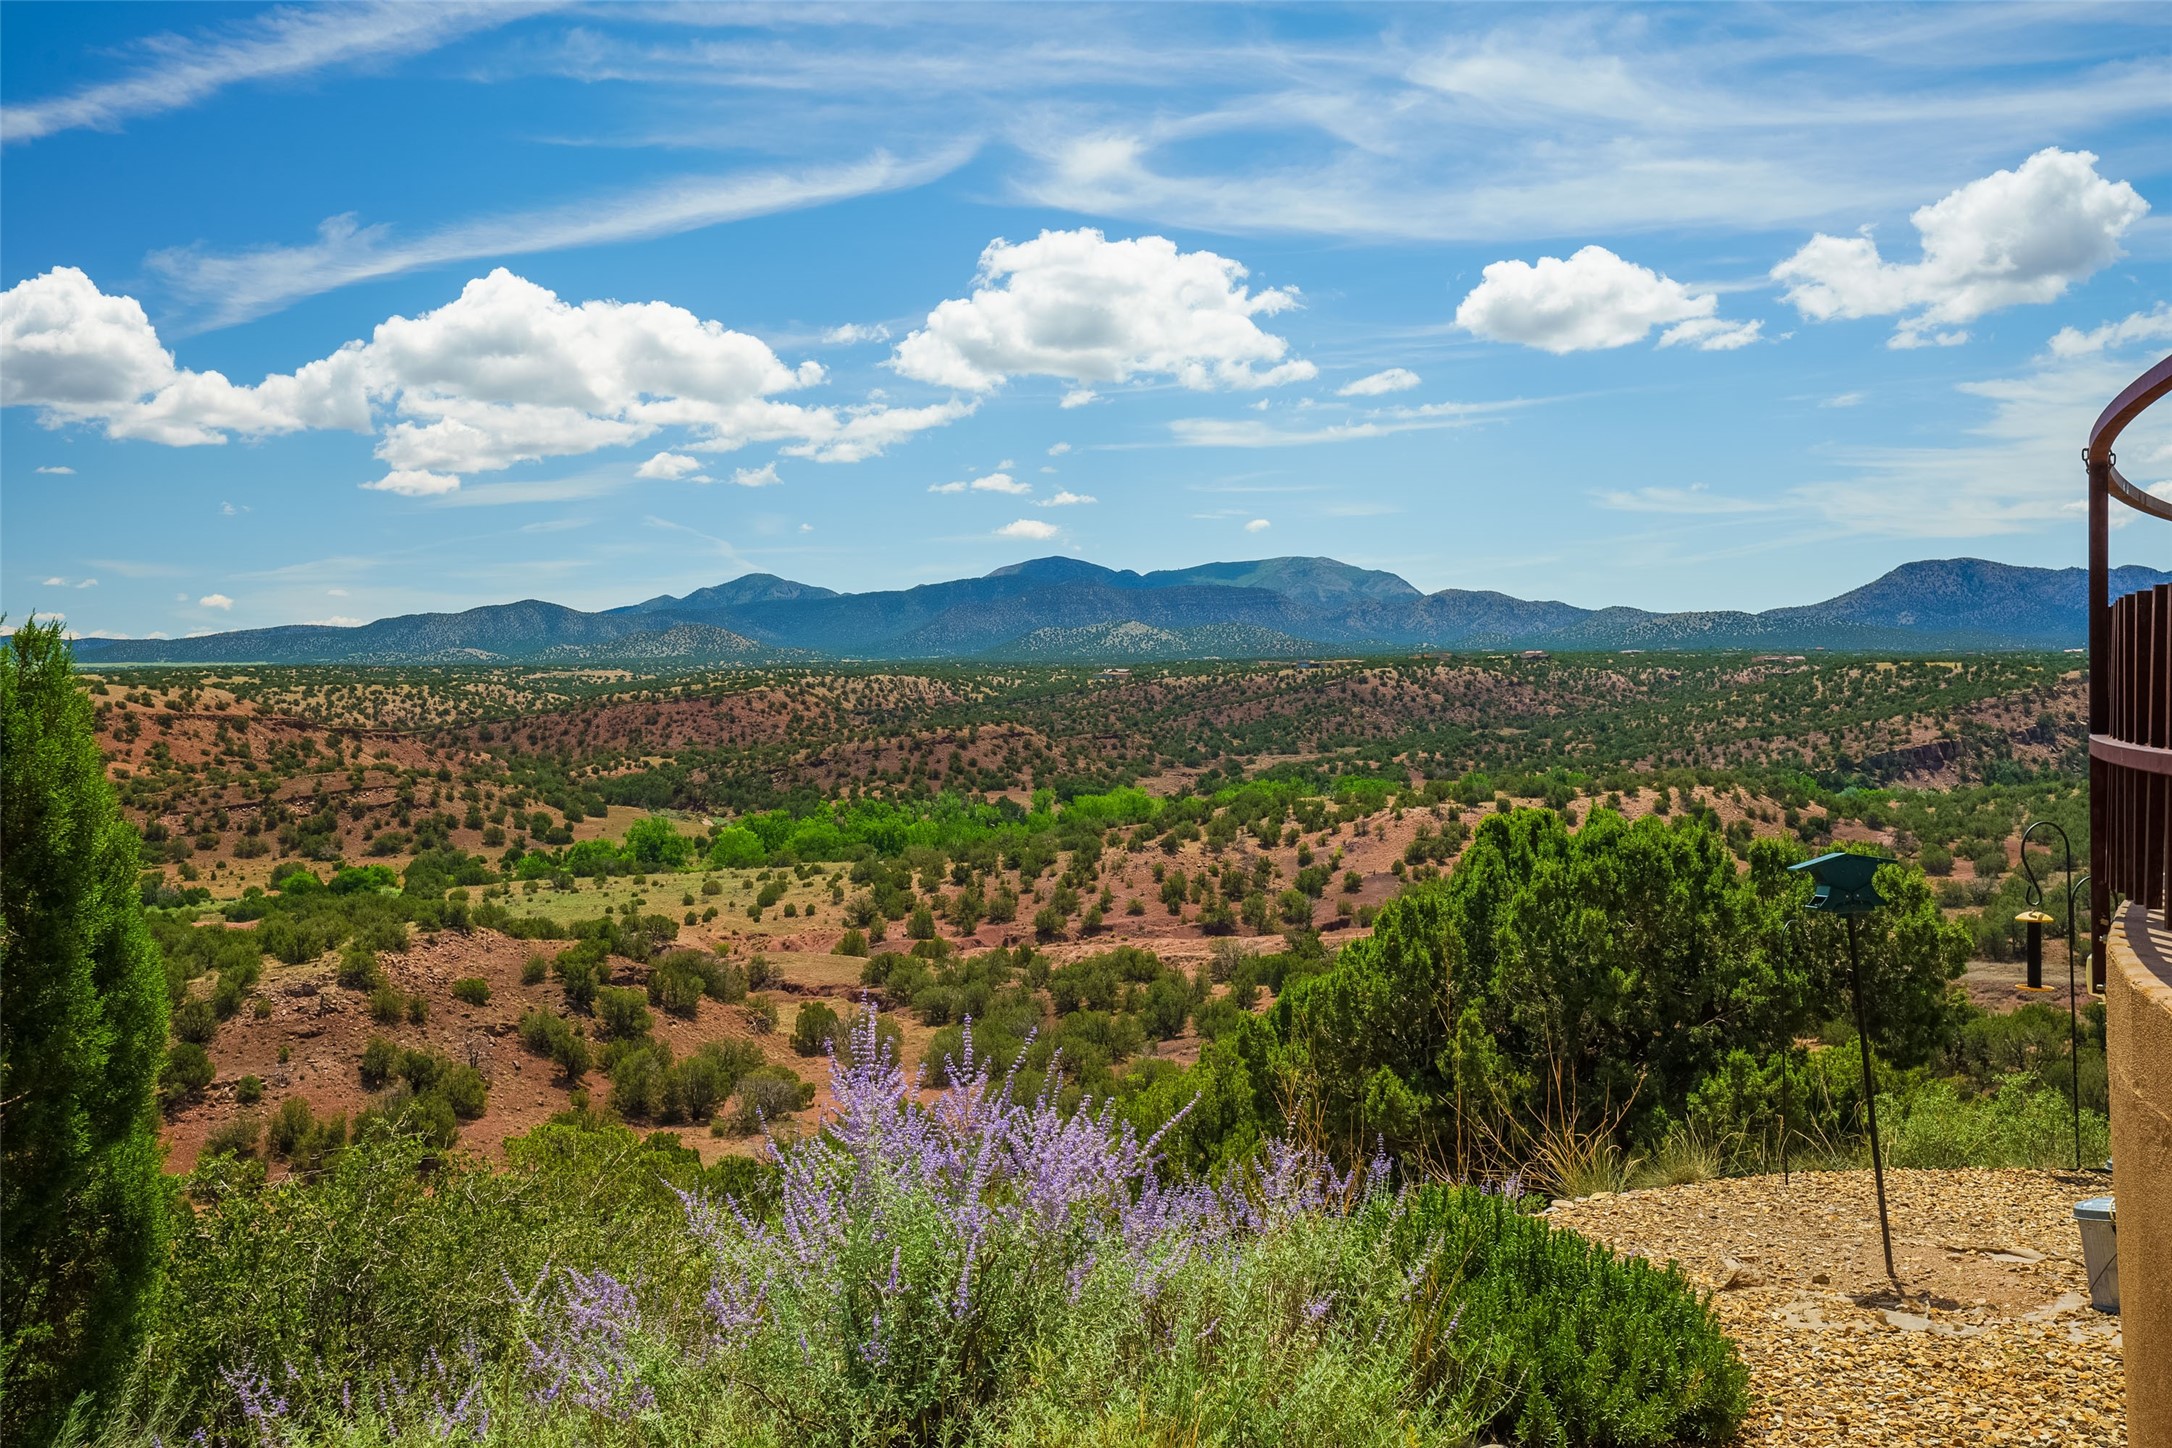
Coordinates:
(1846, 886)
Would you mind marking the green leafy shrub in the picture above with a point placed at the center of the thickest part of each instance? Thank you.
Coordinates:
(195, 1021)
(297, 1137)
(557, 1039)
(681, 978)
(814, 1028)
(249, 1090)
(1584, 1347)
(237, 1137)
(379, 1059)
(767, 1094)
(472, 990)
(622, 1012)
(2020, 1123)
(187, 1072)
(387, 1005)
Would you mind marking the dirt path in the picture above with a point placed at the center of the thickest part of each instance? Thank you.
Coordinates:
(1991, 1340)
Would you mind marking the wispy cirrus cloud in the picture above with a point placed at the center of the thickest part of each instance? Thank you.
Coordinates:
(1696, 500)
(183, 70)
(1259, 432)
(217, 289)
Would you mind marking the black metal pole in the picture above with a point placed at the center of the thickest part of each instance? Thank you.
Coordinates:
(1787, 1101)
(1870, 1102)
(2073, 1006)
(2073, 1011)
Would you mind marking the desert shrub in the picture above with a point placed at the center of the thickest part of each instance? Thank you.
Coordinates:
(814, 1028)
(697, 1085)
(853, 942)
(557, 1039)
(533, 970)
(936, 1258)
(297, 1137)
(358, 968)
(428, 1118)
(249, 1090)
(186, 1073)
(640, 1080)
(2019, 1124)
(761, 1014)
(472, 990)
(465, 1091)
(622, 1012)
(1583, 1346)
(766, 1094)
(238, 1137)
(380, 1058)
(1168, 1004)
(679, 980)
(387, 1005)
(195, 1021)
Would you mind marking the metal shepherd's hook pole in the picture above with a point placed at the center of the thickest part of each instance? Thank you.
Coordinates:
(2073, 1015)
(1870, 1099)
(1846, 885)
(2073, 1008)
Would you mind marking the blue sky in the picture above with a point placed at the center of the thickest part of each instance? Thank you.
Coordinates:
(340, 312)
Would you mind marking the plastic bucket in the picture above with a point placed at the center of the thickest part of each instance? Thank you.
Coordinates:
(2100, 1251)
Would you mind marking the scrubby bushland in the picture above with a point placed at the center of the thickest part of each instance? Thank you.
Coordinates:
(968, 1269)
(82, 1037)
(1620, 979)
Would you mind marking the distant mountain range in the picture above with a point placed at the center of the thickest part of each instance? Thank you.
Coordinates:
(1064, 610)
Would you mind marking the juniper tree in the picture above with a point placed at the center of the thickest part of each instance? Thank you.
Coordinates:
(82, 1028)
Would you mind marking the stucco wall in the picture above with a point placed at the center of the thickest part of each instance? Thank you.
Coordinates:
(2138, 995)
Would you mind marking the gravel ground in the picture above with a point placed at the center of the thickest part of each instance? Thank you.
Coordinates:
(1991, 1339)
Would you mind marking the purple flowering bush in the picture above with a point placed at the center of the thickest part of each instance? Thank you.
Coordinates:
(974, 1261)
(959, 1266)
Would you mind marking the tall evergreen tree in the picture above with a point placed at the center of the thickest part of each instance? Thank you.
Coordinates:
(82, 1031)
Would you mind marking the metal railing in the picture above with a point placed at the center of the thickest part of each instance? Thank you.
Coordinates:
(2130, 694)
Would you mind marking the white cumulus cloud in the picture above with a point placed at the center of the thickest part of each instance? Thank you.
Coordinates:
(668, 465)
(1591, 301)
(1076, 306)
(2154, 325)
(2010, 238)
(1032, 528)
(1056, 450)
(1395, 379)
(1065, 498)
(59, 472)
(762, 477)
(505, 373)
(414, 483)
(215, 600)
(1258, 525)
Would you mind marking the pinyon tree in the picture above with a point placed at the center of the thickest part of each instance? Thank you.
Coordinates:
(82, 1027)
